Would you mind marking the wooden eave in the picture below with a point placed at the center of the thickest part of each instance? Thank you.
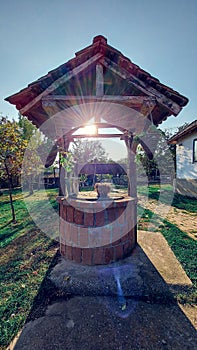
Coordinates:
(29, 100)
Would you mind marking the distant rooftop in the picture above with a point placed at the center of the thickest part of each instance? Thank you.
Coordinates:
(189, 129)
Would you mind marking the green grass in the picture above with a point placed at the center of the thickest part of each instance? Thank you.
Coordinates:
(185, 203)
(165, 194)
(184, 248)
(181, 244)
(87, 189)
(26, 254)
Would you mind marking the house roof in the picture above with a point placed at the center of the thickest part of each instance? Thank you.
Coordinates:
(139, 83)
(189, 129)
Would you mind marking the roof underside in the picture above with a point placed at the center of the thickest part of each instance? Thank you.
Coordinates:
(77, 79)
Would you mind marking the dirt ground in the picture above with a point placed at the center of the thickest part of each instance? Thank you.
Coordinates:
(185, 221)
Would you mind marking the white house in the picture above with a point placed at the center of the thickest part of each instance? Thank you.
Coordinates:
(186, 160)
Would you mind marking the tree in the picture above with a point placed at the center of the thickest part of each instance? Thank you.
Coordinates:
(32, 164)
(166, 154)
(36, 153)
(82, 151)
(182, 127)
(161, 159)
(30, 161)
(85, 151)
(35, 158)
(26, 126)
(12, 147)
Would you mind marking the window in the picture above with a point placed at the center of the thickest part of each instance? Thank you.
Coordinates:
(195, 150)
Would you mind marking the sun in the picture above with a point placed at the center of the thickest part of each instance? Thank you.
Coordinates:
(90, 129)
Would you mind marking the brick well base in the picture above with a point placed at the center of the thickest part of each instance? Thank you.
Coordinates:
(100, 232)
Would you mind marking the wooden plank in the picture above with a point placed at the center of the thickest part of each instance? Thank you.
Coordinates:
(100, 125)
(165, 101)
(136, 101)
(99, 80)
(61, 81)
(96, 136)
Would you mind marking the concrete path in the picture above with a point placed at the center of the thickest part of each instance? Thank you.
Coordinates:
(126, 305)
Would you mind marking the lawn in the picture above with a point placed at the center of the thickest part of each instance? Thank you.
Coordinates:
(183, 246)
(27, 254)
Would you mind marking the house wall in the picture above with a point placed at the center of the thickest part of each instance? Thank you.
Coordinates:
(186, 169)
(186, 178)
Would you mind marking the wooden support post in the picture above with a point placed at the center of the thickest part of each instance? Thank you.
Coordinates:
(131, 170)
(132, 181)
(132, 186)
(132, 191)
(99, 80)
(61, 180)
(64, 144)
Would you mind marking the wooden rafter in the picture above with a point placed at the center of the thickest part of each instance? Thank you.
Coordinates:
(165, 101)
(72, 73)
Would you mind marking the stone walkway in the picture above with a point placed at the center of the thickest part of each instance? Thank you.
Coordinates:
(123, 306)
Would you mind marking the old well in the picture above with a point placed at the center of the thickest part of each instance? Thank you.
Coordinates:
(100, 87)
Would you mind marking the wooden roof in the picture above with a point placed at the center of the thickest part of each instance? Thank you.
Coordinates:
(102, 168)
(75, 82)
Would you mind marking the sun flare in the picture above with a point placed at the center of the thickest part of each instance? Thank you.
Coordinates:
(90, 129)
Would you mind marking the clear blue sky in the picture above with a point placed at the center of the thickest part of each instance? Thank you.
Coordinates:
(37, 36)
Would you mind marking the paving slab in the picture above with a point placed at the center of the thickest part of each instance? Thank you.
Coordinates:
(158, 252)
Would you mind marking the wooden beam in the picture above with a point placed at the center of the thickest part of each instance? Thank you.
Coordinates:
(99, 80)
(105, 125)
(75, 71)
(134, 101)
(98, 125)
(84, 136)
(165, 101)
